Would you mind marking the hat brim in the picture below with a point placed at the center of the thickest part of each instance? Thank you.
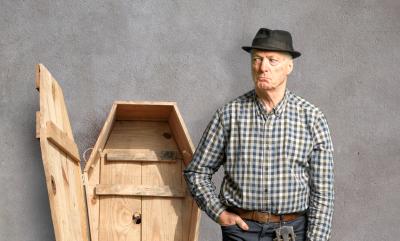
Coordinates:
(294, 54)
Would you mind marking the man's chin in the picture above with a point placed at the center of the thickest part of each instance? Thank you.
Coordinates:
(264, 86)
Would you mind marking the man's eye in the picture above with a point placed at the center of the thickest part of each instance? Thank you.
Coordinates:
(274, 62)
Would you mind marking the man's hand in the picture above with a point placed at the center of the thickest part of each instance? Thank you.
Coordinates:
(227, 218)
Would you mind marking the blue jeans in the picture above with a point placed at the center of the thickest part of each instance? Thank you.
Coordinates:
(263, 231)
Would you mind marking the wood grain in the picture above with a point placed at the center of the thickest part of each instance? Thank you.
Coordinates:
(62, 171)
(151, 111)
(181, 135)
(62, 141)
(116, 212)
(92, 171)
(162, 217)
(138, 190)
(116, 222)
(148, 155)
(185, 145)
(37, 124)
(134, 170)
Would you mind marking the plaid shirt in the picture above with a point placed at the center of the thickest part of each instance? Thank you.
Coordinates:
(279, 162)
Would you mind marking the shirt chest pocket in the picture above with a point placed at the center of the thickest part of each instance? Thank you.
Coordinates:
(297, 146)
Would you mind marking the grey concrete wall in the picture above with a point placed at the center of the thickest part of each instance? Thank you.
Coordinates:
(189, 52)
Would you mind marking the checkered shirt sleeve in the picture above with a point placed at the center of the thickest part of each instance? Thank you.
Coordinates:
(320, 209)
(206, 161)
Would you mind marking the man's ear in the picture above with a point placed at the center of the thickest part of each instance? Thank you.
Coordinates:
(290, 67)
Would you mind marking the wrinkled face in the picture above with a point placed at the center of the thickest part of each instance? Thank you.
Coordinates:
(270, 69)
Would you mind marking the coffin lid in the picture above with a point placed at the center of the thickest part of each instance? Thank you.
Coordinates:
(61, 160)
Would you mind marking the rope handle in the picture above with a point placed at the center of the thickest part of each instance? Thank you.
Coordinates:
(84, 153)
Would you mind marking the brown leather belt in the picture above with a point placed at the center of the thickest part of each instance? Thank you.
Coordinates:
(264, 217)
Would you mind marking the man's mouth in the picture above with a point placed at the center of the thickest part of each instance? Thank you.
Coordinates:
(263, 78)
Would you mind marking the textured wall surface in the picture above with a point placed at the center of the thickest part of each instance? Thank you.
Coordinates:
(189, 52)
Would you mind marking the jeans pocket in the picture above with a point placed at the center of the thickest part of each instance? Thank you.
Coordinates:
(229, 226)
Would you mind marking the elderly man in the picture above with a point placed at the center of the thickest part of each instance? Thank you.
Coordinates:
(277, 155)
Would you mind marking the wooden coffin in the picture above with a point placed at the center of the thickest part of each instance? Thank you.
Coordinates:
(132, 186)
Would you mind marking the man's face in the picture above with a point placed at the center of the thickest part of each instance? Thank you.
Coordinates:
(270, 69)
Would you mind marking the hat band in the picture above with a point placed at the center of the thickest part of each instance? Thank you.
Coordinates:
(274, 44)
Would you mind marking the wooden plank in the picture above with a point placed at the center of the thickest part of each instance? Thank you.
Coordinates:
(186, 217)
(141, 190)
(75, 177)
(92, 170)
(116, 212)
(185, 145)
(92, 200)
(144, 111)
(151, 135)
(101, 141)
(37, 124)
(93, 208)
(116, 219)
(62, 141)
(181, 135)
(63, 174)
(194, 223)
(37, 76)
(149, 104)
(142, 155)
(167, 213)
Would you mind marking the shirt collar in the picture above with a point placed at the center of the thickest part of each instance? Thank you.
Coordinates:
(277, 110)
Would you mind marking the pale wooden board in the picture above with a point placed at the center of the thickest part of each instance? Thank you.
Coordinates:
(92, 172)
(37, 124)
(139, 190)
(93, 206)
(141, 135)
(63, 174)
(92, 178)
(181, 135)
(116, 212)
(62, 141)
(77, 195)
(186, 209)
(142, 155)
(37, 75)
(116, 219)
(101, 142)
(157, 111)
(115, 225)
(185, 145)
(194, 221)
(162, 217)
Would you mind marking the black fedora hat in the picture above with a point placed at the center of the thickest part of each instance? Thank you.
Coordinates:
(274, 40)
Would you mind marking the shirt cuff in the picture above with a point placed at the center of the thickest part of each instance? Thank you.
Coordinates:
(213, 211)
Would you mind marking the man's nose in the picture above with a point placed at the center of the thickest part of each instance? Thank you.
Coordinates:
(264, 65)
